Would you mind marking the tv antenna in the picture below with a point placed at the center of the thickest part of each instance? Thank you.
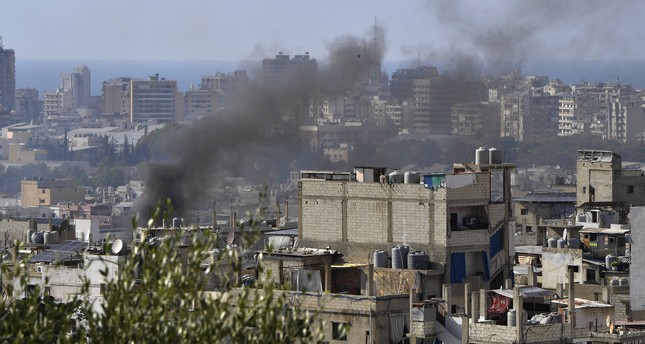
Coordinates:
(1, 46)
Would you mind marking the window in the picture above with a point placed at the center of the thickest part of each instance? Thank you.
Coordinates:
(103, 286)
(584, 189)
(524, 211)
(339, 331)
(630, 189)
(48, 291)
(529, 229)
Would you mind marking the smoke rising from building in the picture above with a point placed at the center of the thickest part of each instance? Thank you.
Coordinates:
(496, 37)
(260, 128)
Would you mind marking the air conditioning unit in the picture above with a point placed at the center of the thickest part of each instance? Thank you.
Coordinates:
(470, 220)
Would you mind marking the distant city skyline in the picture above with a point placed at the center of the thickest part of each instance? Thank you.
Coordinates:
(464, 32)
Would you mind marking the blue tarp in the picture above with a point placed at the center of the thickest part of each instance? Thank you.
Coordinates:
(457, 267)
(495, 243)
(486, 268)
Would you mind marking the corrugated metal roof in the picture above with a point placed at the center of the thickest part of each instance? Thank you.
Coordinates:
(525, 292)
(582, 303)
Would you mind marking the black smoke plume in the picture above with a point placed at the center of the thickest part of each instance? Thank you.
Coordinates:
(259, 130)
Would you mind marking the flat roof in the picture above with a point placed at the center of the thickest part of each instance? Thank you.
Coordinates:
(582, 303)
(547, 197)
(608, 231)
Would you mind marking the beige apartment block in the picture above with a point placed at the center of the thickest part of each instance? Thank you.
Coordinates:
(49, 192)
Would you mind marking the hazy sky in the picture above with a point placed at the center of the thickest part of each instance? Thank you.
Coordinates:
(242, 29)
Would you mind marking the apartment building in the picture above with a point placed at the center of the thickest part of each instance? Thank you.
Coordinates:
(606, 190)
(459, 219)
(116, 96)
(7, 77)
(481, 120)
(155, 99)
(35, 192)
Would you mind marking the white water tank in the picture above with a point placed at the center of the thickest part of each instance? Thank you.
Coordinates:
(495, 156)
(396, 177)
(481, 156)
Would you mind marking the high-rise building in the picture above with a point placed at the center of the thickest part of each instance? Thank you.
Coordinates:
(116, 97)
(282, 68)
(7, 77)
(75, 88)
(155, 99)
(27, 106)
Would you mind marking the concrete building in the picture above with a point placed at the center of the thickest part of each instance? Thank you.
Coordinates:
(7, 77)
(200, 101)
(282, 68)
(27, 107)
(75, 88)
(225, 85)
(36, 193)
(18, 152)
(537, 208)
(625, 120)
(605, 190)
(637, 295)
(575, 110)
(480, 120)
(529, 115)
(155, 99)
(460, 220)
(116, 96)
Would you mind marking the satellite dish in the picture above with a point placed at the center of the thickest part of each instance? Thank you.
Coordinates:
(117, 246)
(230, 237)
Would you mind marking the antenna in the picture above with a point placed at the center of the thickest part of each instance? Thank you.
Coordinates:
(1, 46)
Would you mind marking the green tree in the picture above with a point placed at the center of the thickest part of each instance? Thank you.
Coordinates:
(158, 298)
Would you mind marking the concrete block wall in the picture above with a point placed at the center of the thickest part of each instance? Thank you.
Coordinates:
(480, 191)
(411, 222)
(473, 240)
(367, 221)
(491, 333)
(322, 210)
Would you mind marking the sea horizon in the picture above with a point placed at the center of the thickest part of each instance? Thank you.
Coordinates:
(44, 74)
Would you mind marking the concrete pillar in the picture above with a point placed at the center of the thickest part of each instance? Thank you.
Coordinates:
(370, 280)
(572, 304)
(447, 296)
(483, 298)
(508, 283)
(532, 280)
(328, 273)
(467, 299)
(519, 318)
(465, 330)
(413, 291)
(474, 304)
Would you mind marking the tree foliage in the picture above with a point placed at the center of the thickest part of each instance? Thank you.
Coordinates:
(159, 298)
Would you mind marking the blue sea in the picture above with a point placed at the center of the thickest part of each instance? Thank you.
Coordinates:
(44, 75)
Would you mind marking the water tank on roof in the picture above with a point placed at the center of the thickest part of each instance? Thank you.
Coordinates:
(481, 156)
(623, 281)
(396, 177)
(511, 318)
(29, 234)
(412, 178)
(610, 258)
(37, 238)
(418, 260)
(110, 190)
(495, 156)
(405, 249)
(176, 222)
(552, 243)
(562, 243)
(396, 258)
(50, 238)
(574, 243)
(614, 281)
(380, 259)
